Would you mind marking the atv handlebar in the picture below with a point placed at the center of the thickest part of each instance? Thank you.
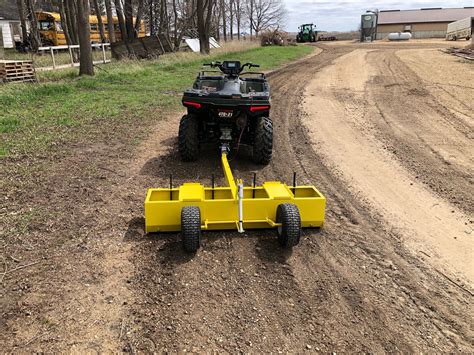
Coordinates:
(219, 65)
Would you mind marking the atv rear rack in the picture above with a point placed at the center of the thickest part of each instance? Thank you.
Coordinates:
(234, 207)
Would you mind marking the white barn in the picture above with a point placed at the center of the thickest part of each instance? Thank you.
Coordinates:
(10, 23)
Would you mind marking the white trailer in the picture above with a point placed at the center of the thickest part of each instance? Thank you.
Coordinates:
(460, 29)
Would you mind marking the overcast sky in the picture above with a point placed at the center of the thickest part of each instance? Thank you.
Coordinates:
(345, 15)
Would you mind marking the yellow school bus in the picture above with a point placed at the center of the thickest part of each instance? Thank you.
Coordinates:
(52, 34)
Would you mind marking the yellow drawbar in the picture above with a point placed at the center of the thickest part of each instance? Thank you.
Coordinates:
(233, 207)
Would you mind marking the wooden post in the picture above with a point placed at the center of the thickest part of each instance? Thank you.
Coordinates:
(103, 53)
(52, 57)
(2, 52)
(70, 55)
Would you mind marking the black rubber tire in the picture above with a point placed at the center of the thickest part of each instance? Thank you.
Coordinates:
(289, 232)
(191, 228)
(188, 137)
(263, 142)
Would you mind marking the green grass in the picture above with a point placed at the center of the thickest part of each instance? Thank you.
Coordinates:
(34, 116)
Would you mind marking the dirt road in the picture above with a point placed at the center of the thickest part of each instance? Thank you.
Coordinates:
(382, 275)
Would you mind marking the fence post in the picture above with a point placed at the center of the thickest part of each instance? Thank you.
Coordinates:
(103, 53)
(52, 56)
(70, 55)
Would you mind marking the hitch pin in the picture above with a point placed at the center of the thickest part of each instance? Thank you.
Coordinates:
(240, 194)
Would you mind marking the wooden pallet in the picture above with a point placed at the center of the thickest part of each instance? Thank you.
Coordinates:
(17, 71)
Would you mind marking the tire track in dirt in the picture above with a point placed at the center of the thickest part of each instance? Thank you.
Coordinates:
(425, 136)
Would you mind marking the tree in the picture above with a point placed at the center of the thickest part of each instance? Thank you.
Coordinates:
(21, 12)
(35, 39)
(138, 19)
(70, 9)
(110, 21)
(238, 15)
(64, 23)
(98, 14)
(204, 17)
(265, 14)
(128, 12)
(85, 49)
(121, 19)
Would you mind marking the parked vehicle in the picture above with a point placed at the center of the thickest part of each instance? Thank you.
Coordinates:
(306, 33)
(460, 29)
(52, 34)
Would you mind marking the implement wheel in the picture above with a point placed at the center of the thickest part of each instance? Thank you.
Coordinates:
(263, 142)
(191, 228)
(188, 137)
(289, 232)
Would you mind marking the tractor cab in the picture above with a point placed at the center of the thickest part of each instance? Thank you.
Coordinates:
(306, 33)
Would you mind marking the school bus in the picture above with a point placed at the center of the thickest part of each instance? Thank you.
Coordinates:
(52, 34)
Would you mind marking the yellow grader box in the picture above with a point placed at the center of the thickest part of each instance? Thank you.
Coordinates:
(233, 207)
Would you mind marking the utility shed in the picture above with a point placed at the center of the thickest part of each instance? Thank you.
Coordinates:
(10, 23)
(421, 23)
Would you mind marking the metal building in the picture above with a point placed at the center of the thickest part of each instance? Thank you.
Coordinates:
(10, 23)
(422, 23)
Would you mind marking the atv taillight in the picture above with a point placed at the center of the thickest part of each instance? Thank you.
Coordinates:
(258, 108)
(192, 104)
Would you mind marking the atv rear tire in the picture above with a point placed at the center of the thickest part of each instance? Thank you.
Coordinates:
(263, 141)
(289, 232)
(191, 228)
(188, 138)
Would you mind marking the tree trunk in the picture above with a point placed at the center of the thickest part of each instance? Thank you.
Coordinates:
(239, 17)
(231, 13)
(121, 19)
(21, 13)
(152, 17)
(110, 21)
(204, 12)
(98, 14)
(64, 24)
(224, 25)
(251, 18)
(128, 10)
(71, 15)
(85, 48)
(35, 39)
(138, 20)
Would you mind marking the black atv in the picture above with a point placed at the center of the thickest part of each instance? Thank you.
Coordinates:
(229, 108)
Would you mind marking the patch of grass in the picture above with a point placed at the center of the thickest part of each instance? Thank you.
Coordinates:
(33, 116)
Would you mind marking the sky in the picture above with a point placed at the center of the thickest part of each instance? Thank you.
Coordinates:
(345, 15)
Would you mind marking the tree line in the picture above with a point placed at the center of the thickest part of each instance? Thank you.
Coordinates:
(174, 19)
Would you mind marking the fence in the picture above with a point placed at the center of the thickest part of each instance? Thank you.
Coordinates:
(70, 49)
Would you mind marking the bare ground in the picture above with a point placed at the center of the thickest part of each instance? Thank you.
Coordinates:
(359, 284)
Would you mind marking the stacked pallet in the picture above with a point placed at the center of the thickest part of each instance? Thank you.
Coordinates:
(17, 71)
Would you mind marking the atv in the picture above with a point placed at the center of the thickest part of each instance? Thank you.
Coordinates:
(228, 107)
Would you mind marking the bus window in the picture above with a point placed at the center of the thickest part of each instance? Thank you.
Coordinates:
(45, 25)
(59, 26)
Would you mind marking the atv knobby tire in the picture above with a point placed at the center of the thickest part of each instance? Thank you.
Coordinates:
(191, 228)
(289, 232)
(188, 137)
(263, 141)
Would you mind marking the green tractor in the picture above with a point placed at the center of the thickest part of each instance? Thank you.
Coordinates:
(306, 33)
